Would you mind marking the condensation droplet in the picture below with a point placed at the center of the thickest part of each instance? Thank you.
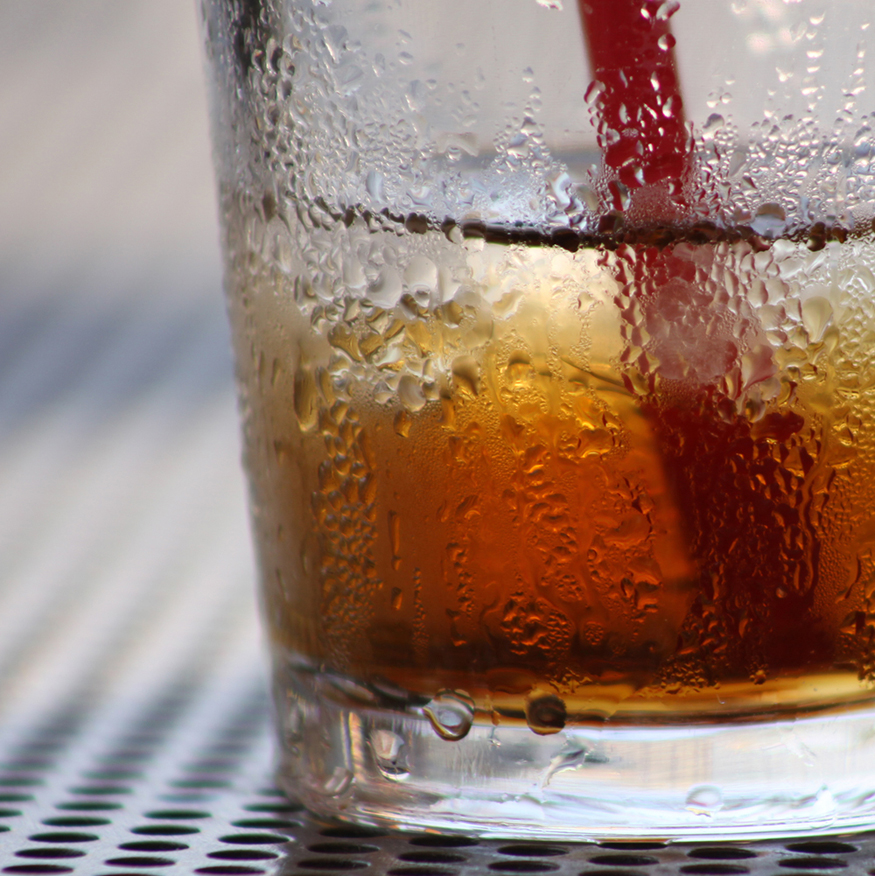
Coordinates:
(770, 220)
(402, 424)
(421, 273)
(410, 393)
(573, 756)
(294, 723)
(451, 715)
(546, 714)
(704, 799)
(306, 408)
(374, 184)
(816, 316)
(466, 374)
(389, 754)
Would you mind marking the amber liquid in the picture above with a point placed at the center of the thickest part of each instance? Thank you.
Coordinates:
(633, 477)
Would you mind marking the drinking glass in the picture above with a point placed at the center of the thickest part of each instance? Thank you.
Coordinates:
(554, 336)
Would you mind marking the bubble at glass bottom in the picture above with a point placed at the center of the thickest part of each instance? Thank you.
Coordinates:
(386, 765)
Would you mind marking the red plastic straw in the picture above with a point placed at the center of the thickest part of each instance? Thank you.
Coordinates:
(642, 130)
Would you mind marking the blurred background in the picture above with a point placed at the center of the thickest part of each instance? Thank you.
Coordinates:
(124, 555)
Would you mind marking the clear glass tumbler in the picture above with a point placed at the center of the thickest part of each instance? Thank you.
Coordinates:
(555, 338)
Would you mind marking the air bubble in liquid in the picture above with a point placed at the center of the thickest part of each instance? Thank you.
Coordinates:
(389, 754)
(451, 715)
(704, 799)
(546, 714)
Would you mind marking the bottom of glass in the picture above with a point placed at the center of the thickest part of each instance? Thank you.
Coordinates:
(350, 755)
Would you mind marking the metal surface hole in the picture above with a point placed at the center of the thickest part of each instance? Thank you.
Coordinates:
(523, 866)
(190, 797)
(229, 870)
(813, 863)
(632, 847)
(421, 871)
(177, 814)
(125, 873)
(722, 853)
(331, 864)
(342, 848)
(88, 806)
(611, 871)
(20, 781)
(274, 807)
(433, 857)
(436, 841)
(50, 852)
(37, 868)
(351, 831)
(140, 861)
(219, 765)
(164, 830)
(75, 821)
(112, 775)
(246, 839)
(714, 869)
(9, 813)
(621, 860)
(27, 763)
(125, 755)
(153, 846)
(64, 836)
(209, 784)
(136, 739)
(101, 790)
(16, 798)
(244, 855)
(268, 823)
(532, 850)
(822, 847)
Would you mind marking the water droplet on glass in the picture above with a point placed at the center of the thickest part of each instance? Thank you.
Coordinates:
(816, 316)
(546, 714)
(466, 374)
(306, 407)
(704, 799)
(389, 753)
(374, 184)
(294, 723)
(410, 393)
(770, 220)
(574, 755)
(402, 424)
(421, 273)
(451, 715)
(667, 9)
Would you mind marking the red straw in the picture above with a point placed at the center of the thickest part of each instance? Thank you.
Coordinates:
(641, 118)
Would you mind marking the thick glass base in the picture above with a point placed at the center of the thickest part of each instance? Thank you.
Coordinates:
(369, 762)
